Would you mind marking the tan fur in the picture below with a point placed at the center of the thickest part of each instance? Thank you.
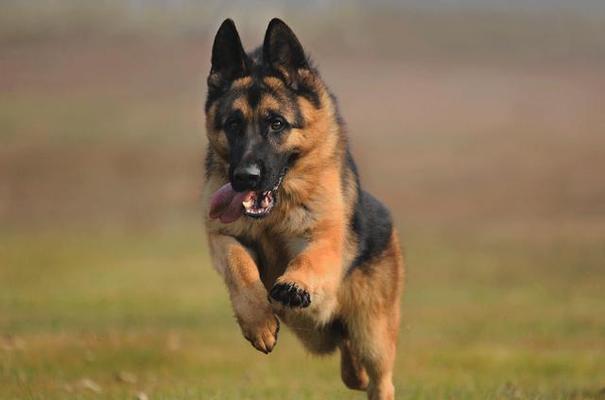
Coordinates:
(242, 105)
(242, 83)
(216, 140)
(307, 240)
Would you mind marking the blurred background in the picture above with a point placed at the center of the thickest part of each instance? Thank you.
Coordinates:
(480, 123)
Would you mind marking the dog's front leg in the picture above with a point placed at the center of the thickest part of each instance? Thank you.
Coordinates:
(248, 295)
(313, 276)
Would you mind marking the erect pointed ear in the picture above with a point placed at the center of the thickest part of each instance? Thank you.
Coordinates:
(229, 60)
(282, 50)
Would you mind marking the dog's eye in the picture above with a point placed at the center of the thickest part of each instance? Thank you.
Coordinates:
(277, 124)
(233, 124)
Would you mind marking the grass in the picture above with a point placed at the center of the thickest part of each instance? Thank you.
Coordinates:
(107, 131)
(115, 315)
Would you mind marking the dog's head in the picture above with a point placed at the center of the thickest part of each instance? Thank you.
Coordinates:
(265, 112)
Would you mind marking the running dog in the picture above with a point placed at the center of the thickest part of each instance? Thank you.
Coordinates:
(290, 229)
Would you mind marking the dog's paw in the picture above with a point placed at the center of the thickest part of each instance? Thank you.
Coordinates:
(256, 319)
(263, 336)
(290, 294)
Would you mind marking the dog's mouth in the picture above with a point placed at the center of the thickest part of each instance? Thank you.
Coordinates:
(260, 204)
(228, 205)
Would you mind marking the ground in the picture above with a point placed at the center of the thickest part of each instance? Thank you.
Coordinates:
(115, 316)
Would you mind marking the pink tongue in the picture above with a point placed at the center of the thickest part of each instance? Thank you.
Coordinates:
(226, 204)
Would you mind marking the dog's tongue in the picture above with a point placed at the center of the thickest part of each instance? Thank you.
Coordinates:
(226, 204)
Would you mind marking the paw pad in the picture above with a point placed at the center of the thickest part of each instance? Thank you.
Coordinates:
(290, 295)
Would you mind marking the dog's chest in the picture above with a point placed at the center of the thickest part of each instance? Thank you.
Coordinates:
(274, 253)
(295, 246)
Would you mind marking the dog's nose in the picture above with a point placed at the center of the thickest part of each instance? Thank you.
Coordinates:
(246, 177)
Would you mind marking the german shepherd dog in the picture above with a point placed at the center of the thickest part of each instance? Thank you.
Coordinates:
(290, 230)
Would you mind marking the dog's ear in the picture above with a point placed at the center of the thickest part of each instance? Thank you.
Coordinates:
(282, 50)
(229, 60)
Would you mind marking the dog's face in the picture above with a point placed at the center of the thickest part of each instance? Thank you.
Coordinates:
(262, 111)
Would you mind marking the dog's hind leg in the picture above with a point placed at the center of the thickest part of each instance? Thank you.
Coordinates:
(371, 296)
(353, 374)
(375, 343)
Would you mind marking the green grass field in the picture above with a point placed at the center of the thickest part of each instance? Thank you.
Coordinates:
(116, 316)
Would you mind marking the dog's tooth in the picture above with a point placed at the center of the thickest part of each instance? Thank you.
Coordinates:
(265, 202)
